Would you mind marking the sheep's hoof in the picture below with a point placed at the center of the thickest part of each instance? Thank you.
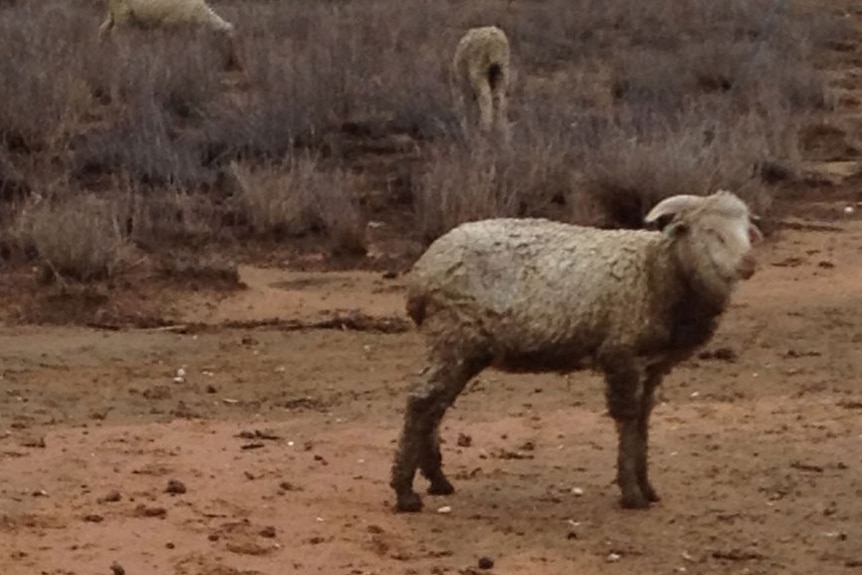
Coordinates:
(649, 492)
(408, 503)
(441, 486)
(634, 500)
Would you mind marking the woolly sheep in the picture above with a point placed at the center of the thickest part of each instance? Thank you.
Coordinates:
(532, 296)
(169, 14)
(479, 73)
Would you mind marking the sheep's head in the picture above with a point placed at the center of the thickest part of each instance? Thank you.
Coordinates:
(714, 233)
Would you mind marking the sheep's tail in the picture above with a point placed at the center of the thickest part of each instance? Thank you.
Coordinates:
(495, 73)
(417, 306)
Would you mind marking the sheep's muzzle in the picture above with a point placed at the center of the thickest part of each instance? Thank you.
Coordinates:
(747, 266)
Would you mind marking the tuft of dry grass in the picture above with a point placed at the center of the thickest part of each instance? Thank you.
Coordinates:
(200, 272)
(157, 83)
(42, 91)
(627, 172)
(456, 187)
(74, 236)
(298, 198)
(159, 218)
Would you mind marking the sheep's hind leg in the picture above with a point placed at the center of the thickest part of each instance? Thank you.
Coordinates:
(623, 391)
(436, 389)
(499, 97)
(646, 405)
(484, 99)
(106, 26)
(431, 464)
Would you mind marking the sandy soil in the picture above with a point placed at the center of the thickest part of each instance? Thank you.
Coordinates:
(240, 442)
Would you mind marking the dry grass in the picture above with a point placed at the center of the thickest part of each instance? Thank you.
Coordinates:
(627, 173)
(41, 84)
(297, 198)
(615, 105)
(74, 237)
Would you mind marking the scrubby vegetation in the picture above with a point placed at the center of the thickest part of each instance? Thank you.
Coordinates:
(121, 152)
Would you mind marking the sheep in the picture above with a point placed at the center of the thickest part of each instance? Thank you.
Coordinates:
(171, 14)
(480, 72)
(532, 296)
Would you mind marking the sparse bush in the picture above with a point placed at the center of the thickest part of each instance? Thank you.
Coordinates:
(41, 89)
(298, 198)
(458, 187)
(211, 272)
(158, 85)
(531, 178)
(634, 167)
(159, 218)
(75, 236)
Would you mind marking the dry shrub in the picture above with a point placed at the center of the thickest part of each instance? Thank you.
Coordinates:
(75, 236)
(628, 173)
(297, 198)
(212, 272)
(146, 146)
(458, 186)
(530, 177)
(157, 82)
(160, 218)
(41, 88)
(318, 66)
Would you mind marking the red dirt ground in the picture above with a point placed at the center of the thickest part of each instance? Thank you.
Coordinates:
(283, 437)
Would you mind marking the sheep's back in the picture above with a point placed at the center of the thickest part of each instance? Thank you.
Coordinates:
(535, 283)
(171, 12)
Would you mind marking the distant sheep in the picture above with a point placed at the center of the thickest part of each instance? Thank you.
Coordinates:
(168, 14)
(479, 77)
(533, 296)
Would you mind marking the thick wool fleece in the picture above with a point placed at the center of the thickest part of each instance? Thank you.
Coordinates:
(153, 13)
(550, 294)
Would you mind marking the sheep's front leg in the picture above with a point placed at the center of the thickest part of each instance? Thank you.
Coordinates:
(419, 447)
(484, 99)
(228, 47)
(646, 405)
(458, 88)
(624, 403)
(500, 106)
(106, 26)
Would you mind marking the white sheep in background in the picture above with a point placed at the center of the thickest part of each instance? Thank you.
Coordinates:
(479, 74)
(532, 296)
(170, 14)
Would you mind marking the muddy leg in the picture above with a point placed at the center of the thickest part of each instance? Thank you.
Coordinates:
(500, 109)
(458, 89)
(623, 389)
(646, 405)
(418, 447)
(431, 464)
(228, 47)
(105, 27)
(484, 99)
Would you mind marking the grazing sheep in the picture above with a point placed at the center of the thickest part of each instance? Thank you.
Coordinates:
(532, 296)
(479, 73)
(169, 14)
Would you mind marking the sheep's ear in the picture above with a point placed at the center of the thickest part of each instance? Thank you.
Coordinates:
(673, 205)
(754, 233)
(675, 229)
